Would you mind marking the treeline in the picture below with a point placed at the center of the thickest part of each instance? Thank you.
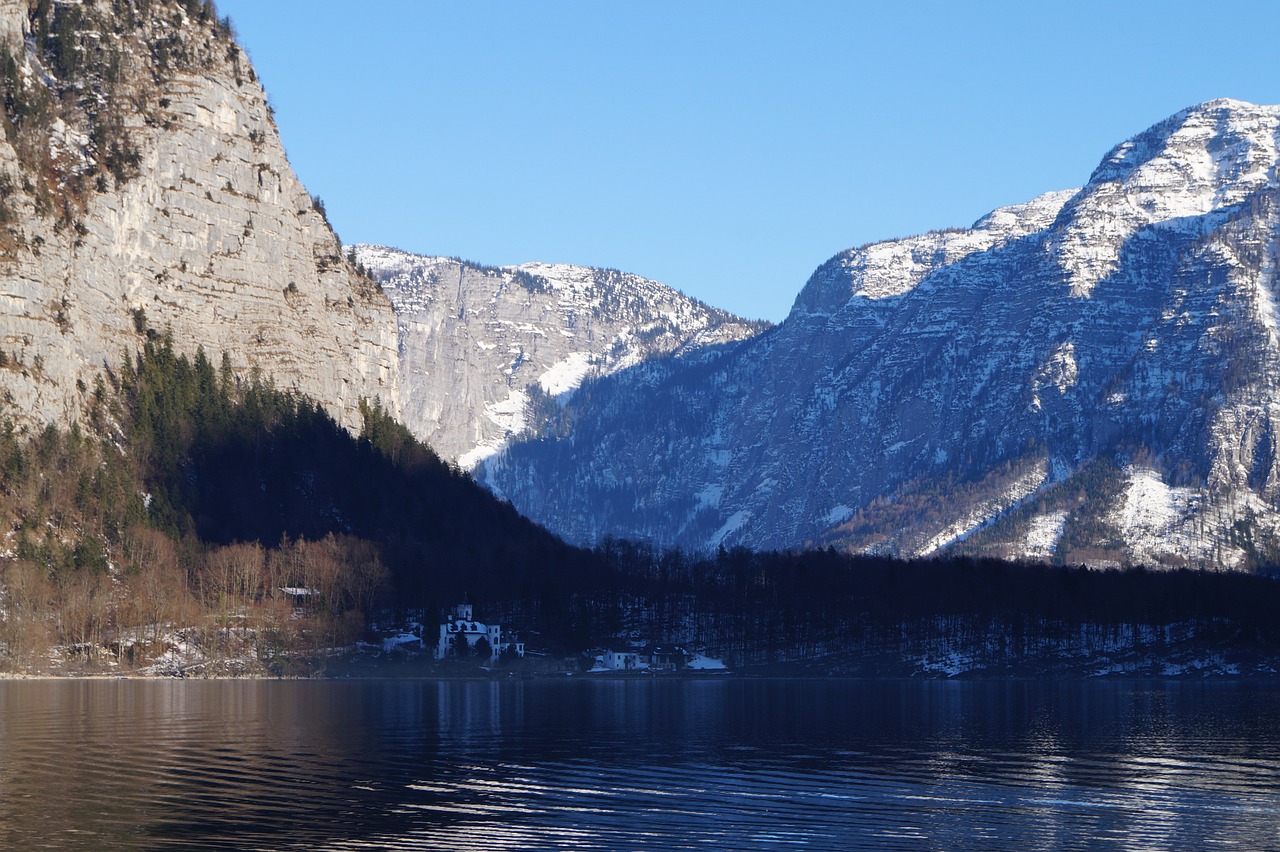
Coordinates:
(767, 607)
(104, 567)
(826, 584)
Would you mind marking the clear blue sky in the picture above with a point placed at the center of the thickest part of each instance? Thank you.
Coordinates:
(723, 148)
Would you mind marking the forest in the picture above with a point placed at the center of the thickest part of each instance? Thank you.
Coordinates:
(193, 500)
(201, 522)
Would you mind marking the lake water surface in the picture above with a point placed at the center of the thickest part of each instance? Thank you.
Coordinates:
(639, 764)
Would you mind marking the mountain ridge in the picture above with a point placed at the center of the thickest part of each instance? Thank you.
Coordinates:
(486, 353)
(1130, 321)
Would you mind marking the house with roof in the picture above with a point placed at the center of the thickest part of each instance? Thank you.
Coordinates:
(654, 658)
(667, 658)
(461, 630)
(620, 661)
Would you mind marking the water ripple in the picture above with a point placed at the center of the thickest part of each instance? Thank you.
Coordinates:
(648, 765)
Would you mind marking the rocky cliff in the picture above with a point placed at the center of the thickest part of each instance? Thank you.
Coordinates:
(143, 185)
(1087, 377)
(489, 354)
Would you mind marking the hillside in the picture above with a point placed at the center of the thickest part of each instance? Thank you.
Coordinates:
(144, 184)
(1088, 377)
(488, 354)
(229, 527)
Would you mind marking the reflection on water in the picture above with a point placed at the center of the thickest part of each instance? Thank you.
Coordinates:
(627, 764)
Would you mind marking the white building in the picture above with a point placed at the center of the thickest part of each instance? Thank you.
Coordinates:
(653, 658)
(621, 661)
(462, 626)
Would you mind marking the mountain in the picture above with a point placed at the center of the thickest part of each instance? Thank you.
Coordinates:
(143, 185)
(1087, 377)
(488, 354)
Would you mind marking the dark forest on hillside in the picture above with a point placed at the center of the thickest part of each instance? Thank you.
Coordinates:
(212, 495)
(233, 462)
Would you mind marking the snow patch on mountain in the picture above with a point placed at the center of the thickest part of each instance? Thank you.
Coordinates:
(732, 525)
(1151, 510)
(1043, 534)
(564, 376)
(986, 512)
(838, 515)
(709, 497)
(1059, 371)
(508, 415)
(1159, 522)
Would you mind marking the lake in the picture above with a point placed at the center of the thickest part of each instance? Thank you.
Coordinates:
(639, 764)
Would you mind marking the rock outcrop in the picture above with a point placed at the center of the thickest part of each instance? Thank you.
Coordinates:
(487, 355)
(1091, 376)
(144, 186)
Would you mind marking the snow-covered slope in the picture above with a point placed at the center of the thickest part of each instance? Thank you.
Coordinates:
(1090, 376)
(486, 354)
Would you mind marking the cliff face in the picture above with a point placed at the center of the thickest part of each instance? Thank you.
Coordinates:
(488, 354)
(144, 185)
(1087, 377)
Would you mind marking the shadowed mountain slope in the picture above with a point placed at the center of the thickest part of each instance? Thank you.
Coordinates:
(1086, 377)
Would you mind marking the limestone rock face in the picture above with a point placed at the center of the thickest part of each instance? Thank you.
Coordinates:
(1088, 377)
(14, 26)
(487, 354)
(144, 181)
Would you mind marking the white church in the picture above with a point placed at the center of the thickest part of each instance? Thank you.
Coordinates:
(462, 623)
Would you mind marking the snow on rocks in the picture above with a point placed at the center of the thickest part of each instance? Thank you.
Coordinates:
(1129, 323)
(987, 511)
(480, 345)
(1043, 534)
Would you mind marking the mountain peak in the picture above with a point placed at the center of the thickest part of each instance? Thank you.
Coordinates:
(1229, 104)
(1209, 126)
(1087, 377)
(1202, 159)
(1187, 172)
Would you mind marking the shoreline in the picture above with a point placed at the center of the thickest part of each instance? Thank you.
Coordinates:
(631, 677)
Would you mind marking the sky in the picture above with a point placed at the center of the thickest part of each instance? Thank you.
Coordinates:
(723, 148)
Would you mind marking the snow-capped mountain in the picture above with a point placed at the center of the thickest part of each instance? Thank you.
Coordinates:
(487, 354)
(1090, 376)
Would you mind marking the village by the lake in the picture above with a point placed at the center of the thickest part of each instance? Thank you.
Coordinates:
(462, 639)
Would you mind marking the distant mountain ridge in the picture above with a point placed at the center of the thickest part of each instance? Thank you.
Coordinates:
(488, 353)
(1090, 376)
